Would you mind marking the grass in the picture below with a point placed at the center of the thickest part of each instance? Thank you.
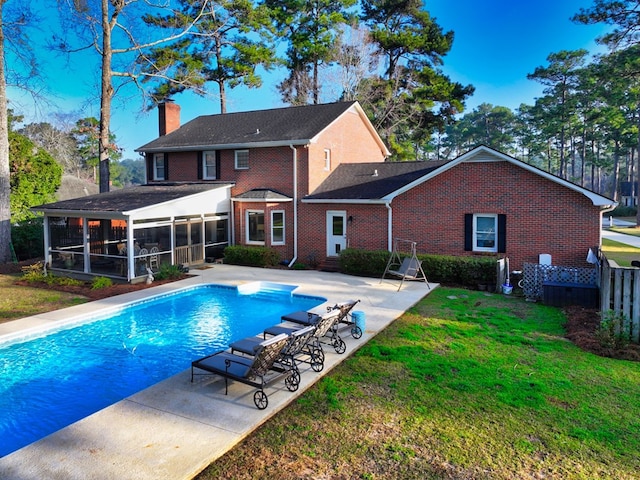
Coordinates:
(464, 385)
(621, 253)
(635, 231)
(20, 301)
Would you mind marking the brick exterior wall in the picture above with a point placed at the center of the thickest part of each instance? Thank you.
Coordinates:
(541, 216)
(348, 140)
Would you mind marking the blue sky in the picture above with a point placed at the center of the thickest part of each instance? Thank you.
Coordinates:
(496, 44)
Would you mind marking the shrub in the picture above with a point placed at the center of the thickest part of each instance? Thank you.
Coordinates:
(622, 211)
(168, 272)
(27, 238)
(34, 272)
(463, 270)
(251, 256)
(100, 282)
(611, 333)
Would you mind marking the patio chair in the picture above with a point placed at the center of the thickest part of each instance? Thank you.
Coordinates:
(153, 259)
(309, 318)
(258, 371)
(290, 355)
(324, 329)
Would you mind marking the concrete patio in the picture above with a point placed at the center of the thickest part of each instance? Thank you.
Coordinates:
(175, 428)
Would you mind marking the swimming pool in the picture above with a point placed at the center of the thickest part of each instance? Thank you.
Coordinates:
(61, 376)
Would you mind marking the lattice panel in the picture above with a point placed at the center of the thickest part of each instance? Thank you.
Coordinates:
(535, 275)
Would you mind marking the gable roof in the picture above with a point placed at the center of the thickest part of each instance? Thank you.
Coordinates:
(128, 199)
(298, 125)
(355, 183)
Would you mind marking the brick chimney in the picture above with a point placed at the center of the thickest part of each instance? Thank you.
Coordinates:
(168, 117)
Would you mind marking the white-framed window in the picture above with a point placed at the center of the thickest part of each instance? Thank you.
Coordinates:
(209, 165)
(242, 159)
(327, 159)
(485, 232)
(159, 172)
(255, 226)
(277, 227)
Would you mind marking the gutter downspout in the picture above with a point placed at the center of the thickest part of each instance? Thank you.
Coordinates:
(295, 206)
(389, 226)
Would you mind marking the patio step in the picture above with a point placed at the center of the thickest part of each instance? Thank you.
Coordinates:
(330, 264)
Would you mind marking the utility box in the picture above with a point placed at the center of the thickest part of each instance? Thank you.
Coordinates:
(561, 294)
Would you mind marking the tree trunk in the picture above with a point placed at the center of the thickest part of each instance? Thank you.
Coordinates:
(105, 98)
(638, 169)
(5, 186)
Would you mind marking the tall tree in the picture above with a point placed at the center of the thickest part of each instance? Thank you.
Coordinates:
(231, 43)
(561, 79)
(623, 15)
(5, 187)
(412, 98)
(310, 29)
(114, 28)
(13, 42)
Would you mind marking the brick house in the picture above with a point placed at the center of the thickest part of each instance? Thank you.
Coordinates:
(312, 180)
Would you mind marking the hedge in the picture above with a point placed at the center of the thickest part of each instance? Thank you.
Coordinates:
(448, 269)
(251, 256)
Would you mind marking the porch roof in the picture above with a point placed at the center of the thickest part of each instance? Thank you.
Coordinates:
(262, 195)
(127, 201)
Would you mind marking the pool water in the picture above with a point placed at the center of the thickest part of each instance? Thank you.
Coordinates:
(49, 382)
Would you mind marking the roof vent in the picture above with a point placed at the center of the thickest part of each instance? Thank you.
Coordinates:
(375, 173)
(257, 131)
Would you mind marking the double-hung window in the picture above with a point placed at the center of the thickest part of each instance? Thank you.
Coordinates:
(485, 232)
(277, 227)
(159, 170)
(255, 226)
(209, 165)
(242, 159)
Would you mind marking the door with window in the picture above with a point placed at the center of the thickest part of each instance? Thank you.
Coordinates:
(336, 232)
(189, 246)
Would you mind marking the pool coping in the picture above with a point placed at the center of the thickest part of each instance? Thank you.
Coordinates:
(174, 429)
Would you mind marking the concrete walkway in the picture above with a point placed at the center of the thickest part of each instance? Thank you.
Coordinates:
(174, 429)
(621, 237)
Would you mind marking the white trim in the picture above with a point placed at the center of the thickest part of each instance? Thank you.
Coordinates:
(284, 227)
(205, 154)
(235, 159)
(327, 159)
(474, 233)
(246, 230)
(475, 155)
(154, 168)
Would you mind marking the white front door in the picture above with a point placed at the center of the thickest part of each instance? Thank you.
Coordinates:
(336, 232)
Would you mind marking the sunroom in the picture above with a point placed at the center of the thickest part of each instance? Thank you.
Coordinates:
(125, 234)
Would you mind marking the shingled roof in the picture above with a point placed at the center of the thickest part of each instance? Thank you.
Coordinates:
(128, 199)
(370, 181)
(274, 127)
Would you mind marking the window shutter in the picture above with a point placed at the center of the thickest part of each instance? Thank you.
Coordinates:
(149, 158)
(502, 233)
(166, 166)
(217, 164)
(200, 167)
(468, 232)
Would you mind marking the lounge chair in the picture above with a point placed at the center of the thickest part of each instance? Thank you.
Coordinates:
(323, 329)
(258, 371)
(290, 355)
(344, 317)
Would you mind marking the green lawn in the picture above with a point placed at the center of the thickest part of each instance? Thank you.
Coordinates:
(464, 385)
(619, 252)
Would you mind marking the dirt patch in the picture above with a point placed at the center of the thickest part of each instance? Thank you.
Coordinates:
(582, 327)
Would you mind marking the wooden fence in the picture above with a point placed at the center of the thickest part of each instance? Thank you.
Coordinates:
(620, 294)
